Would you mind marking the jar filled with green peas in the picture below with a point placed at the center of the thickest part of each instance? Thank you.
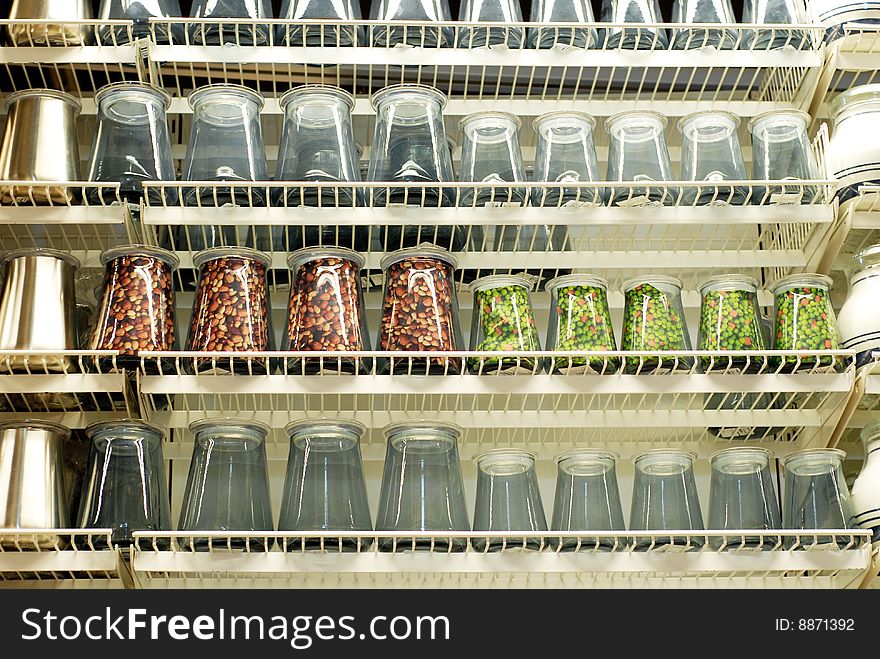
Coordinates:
(730, 319)
(805, 321)
(654, 321)
(504, 321)
(580, 320)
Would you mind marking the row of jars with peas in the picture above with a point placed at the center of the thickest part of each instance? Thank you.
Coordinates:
(232, 313)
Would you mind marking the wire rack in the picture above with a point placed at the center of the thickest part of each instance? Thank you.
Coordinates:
(692, 399)
(58, 558)
(838, 559)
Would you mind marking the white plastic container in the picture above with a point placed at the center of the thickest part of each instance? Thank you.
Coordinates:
(859, 318)
(836, 15)
(854, 149)
(866, 489)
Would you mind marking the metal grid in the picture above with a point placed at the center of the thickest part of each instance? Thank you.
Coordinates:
(76, 56)
(839, 559)
(600, 80)
(58, 557)
(669, 401)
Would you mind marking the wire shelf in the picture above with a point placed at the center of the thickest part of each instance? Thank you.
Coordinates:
(511, 401)
(58, 557)
(838, 559)
(525, 80)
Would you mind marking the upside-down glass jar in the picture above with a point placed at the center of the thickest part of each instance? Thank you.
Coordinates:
(136, 303)
(326, 310)
(420, 310)
(231, 310)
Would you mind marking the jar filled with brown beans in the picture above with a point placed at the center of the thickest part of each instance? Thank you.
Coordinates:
(136, 302)
(420, 310)
(326, 309)
(231, 310)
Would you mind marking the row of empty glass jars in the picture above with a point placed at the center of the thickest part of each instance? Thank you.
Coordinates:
(212, 30)
(410, 147)
(325, 495)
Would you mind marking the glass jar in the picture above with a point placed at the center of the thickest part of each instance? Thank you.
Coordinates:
(638, 153)
(775, 12)
(866, 489)
(326, 309)
(781, 151)
(139, 12)
(296, 34)
(643, 35)
(805, 321)
(244, 33)
(69, 31)
(711, 153)
(704, 11)
(420, 310)
(503, 321)
(580, 319)
(730, 319)
(136, 303)
(132, 142)
(654, 321)
(125, 488)
(411, 11)
(859, 318)
(490, 153)
(227, 488)
(324, 488)
(225, 144)
(854, 149)
(422, 488)
(816, 495)
(231, 310)
(567, 11)
(490, 11)
(566, 153)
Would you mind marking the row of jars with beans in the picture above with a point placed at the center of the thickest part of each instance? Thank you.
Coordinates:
(231, 312)
(410, 147)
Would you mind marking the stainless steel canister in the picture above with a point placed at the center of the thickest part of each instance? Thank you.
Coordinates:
(67, 32)
(39, 144)
(32, 494)
(38, 308)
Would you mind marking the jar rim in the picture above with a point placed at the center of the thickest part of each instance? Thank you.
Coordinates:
(512, 451)
(498, 281)
(137, 248)
(630, 284)
(39, 251)
(754, 121)
(164, 96)
(425, 250)
(223, 86)
(805, 279)
(36, 424)
(230, 422)
(740, 449)
(490, 114)
(829, 452)
(346, 425)
(856, 264)
(70, 99)
(561, 114)
(742, 280)
(307, 254)
(854, 96)
(679, 453)
(213, 253)
(576, 280)
(613, 119)
(685, 120)
(588, 453)
(393, 429)
(313, 88)
(136, 424)
(377, 98)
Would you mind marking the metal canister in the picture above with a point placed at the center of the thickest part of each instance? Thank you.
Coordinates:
(68, 32)
(39, 144)
(38, 307)
(32, 494)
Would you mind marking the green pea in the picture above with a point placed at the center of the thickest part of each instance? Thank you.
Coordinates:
(652, 323)
(805, 321)
(584, 323)
(729, 320)
(506, 324)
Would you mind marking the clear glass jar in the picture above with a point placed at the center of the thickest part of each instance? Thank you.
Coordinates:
(859, 319)
(125, 488)
(228, 485)
(410, 146)
(420, 310)
(326, 309)
(567, 11)
(324, 488)
(242, 34)
(644, 35)
(422, 488)
(816, 495)
(418, 11)
(136, 303)
(490, 153)
(226, 144)
(139, 12)
(805, 321)
(490, 11)
(781, 151)
(730, 319)
(298, 35)
(654, 321)
(566, 153)
(711, 153)
(503, 321)
(580, 319)
(132, 142)
(638, 153)
(775, 12)
(231, 309)
(854, 149)
(704, 11)
(69, 31)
